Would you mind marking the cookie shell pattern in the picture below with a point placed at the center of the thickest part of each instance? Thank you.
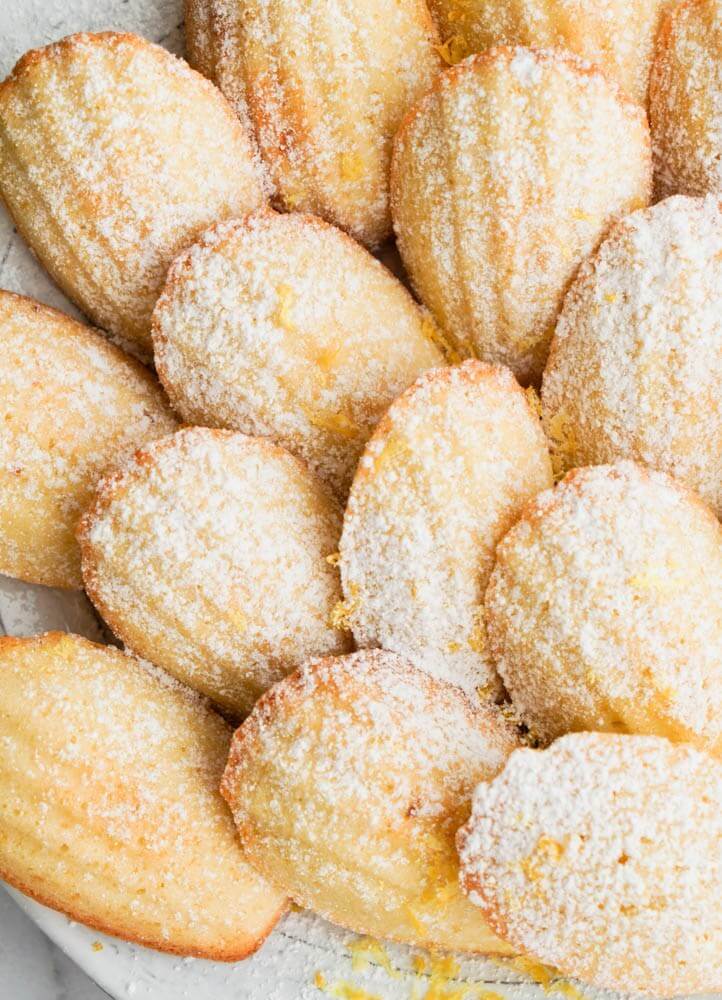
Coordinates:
(114, 156)
(348, 782)
(109, 775)
(324, 85)
(505, 176)
(72, 407)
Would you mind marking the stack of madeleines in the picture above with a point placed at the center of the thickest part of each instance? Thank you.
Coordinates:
(481, 712)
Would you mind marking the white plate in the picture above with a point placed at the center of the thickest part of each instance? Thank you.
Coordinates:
(302, 945)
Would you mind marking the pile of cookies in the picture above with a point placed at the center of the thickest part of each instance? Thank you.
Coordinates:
(478, 711)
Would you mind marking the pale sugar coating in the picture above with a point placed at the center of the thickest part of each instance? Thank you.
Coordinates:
(504, 178)
(283, 327)
(602, 856)
(445, 475)
(616, 35)
(114, 155)
(685, 100)
(635, 369)
(604, 610)
(109, 775)
(71, 407)
(324, 84)
(208, 555)
(348, 782)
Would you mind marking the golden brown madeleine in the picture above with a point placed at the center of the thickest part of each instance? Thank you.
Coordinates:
(348, 782)
(602, 856)
(324, 84)
(114, 156)
(635, 368)
(616, 35)
(284, 327)
(685, 100)
(71, 406)
(504, 178)
(447, 472)
(604, 610)
(109, 775)
(208, 555)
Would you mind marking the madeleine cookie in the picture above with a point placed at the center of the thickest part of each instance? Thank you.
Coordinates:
(283, 327)
(602, 856)
(114, 156)
(109, 777)
(504, 178)
(348, 782)
(446, 474)
(71, 405)
(685, 100)
(604, 609)
(635, 369)
(208, 555)
(324, 85)
(616, 35)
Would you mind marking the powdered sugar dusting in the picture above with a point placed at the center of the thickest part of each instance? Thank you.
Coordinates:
(72, 407)
(604, 610)
(208, 555)
(116, 769)
(348, 782)
(281, 326)
(115, 155)
(505, 177)
(601, 856)
(685, 103)
(444, 476)
(616, 35)
(325, 84)
(636, 365)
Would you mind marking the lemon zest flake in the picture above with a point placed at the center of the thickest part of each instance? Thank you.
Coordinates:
(351, 166)
(435, 334)
(282, 315)
(453, 50)
(367, 949)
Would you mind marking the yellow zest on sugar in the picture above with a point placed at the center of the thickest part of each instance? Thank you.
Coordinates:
(282, 315)
(337, 423)
(434, 333)
(532, 397)
(343, 612)
(367, 949)
(453, 50)
(562, 434)
(351, 166)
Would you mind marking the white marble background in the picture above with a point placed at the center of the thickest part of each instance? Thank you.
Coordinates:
(31, 968)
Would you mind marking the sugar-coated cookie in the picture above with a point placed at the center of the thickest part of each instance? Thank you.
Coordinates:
(601, 856)
(616, 35)
(109, 775)
(447, 472)
(504, 178)
(71, 406)
(284, 327)
(685, 100)
(114, 156)
(208, 555)
(348, 782)
(604, 609)
(324, 85)
(635, 368)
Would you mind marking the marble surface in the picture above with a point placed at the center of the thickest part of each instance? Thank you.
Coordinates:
(31, 967)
